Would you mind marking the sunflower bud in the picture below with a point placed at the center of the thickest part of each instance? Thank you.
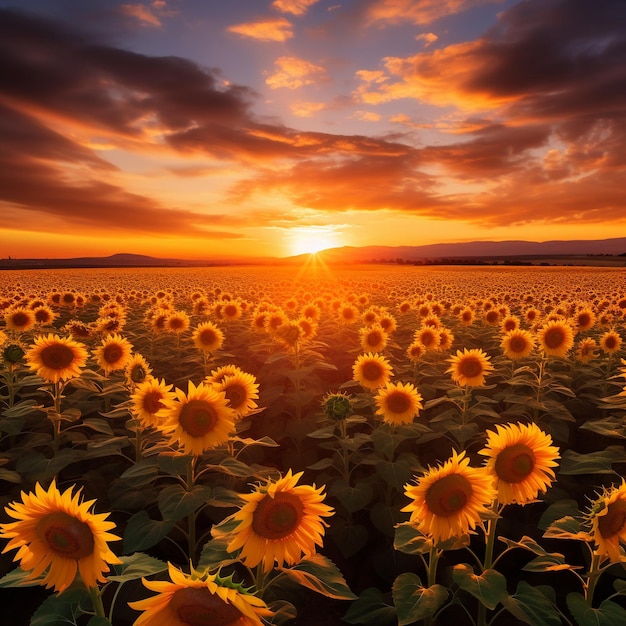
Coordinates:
(338, 406)
(13, 354)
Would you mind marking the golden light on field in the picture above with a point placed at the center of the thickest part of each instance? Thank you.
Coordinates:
(312, 239)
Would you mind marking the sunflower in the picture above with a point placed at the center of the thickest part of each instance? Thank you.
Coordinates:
(44, 315)
(446, 339)
(468, 368)
(448, 500)
(584, 319)
(137, 369)
(56, 534)
(241, 391)
(373, 338)
(586, 350)
(177, 322)
(556, 337)
(20, 319)
(56, 358)
(199, 599)
(607, 516)
(517, 344)
(114, 353)
(279, 523)
(520, 458)
(415, 352)
(509, 323)
(348, 314)
(429, 337)
(466, 316)
(231, 311)
(610, 342)
(207, 337)
(398, 403)
(218, 375)
(308, 328)
(371, 370)
(198, 420)
(149, 398)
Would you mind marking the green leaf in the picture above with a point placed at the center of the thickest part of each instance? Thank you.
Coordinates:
(607, 614)
(352, 498)
(215, 554)
(17, 578)
(350, 538)
(142, 532)
(489, 587)
(21, 409)
(10, 476)
(175, 502)
(396, 474)
(322, 464)
(99, 425)
(370, 608)
(173, 465)
(558, 510)
(544, 561)
(531, 606)
(62, 609)
(600, 462)
(320, 574)
(566, 528)
(136, 566)
(141, 473)
(609, 427)
(37, 467)
(410, 540)
(413, 601)
(283, 612)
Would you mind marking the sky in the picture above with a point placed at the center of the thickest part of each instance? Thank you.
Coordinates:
(204, 129)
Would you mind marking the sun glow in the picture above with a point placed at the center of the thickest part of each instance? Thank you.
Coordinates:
(312, 239)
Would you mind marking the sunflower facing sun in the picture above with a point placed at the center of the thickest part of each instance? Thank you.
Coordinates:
(58, 536)
(280, 522)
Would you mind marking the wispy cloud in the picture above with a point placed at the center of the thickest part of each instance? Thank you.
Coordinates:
(293, 72)
(279, 29)
(295, 7)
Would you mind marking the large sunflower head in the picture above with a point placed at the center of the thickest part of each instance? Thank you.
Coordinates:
(57, 536)
(137, 369)
(56, 358)
(429, 337)
(199, 419)
(373, 338)
(607, 518)
(450, 500)
(398, 403)
(587, 350)
(241, 391)
(207, 337)
(469, 367)
(517, 344)
(113, 353)
(280, 522)
(149, 400)
(584, 319)
(610, 342)
(556, 337)
(521, 458)
(19, 319)
(198, 599)
(371, 370)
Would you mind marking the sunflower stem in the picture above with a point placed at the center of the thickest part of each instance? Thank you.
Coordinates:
(296, 356)
(96, 601)
(540, 375)
(490, 537)
(138, 453)
(433, 560)
(191, 517)
(592, 578)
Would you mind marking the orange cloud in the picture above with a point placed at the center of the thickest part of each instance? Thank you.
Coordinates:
(292, 73)
(416, 11)
(142, 13)
(295, 7)
(306, 109)
(264, 30)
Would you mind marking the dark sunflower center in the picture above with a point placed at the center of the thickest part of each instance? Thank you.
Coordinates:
(398, 402)
(236, 395)
(112, 353)
(20, 319)
(427, 338)
(492, 316)
(42, 316)
(371, 371)
(448, 495)
(515, 463)
(614, 520)
(197, 418)
(230, 310)
(373, 338)
(57, 356)
(610, 342)
(277, 517)
(584, 319)
(207, 337)
(152, 401)
(510, 325)
(471, 367)
(197, 606)
(554, 338)
(176, 323)
(517, 344)
(65, 535)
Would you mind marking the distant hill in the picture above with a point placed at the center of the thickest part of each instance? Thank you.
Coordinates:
(478, 250)
(580, 251)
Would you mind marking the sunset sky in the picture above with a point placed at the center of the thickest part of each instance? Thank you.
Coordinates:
(205, 129)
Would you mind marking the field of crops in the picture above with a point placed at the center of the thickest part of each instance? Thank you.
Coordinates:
(366, 445)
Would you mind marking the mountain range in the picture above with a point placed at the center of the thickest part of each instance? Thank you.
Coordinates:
(488, 251)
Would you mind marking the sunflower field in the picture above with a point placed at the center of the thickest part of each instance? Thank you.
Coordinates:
(377, 445)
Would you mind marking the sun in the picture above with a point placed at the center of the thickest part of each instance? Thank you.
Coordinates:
(311, 240)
